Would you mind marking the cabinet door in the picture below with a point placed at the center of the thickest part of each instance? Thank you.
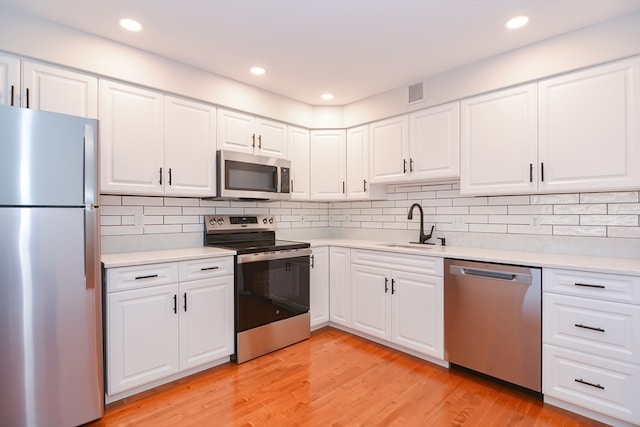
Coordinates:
(499, 142)
(206, 321)
(339, 288)
(328, 165)
(142, 337)
(319, 286)
(299, 156)
(271, 138)
(358, 162)
(434, 142)
(131, 140)
(417, 313)
(9, 80)
(189, 148)
(389, 158)
(59, 90)
(590, 129)
(236, 131)
(370, 300)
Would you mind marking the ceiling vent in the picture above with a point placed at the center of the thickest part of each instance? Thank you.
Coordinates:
(416, 93)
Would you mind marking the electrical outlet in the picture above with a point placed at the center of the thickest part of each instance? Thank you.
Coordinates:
(138, 221)
(535, 222)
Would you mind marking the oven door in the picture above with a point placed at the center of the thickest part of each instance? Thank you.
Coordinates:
(271, 286)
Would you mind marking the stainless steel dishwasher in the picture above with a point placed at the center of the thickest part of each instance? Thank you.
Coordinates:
(492, 320)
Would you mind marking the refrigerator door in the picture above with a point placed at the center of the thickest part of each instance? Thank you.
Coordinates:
(43, 158)
(50, 318)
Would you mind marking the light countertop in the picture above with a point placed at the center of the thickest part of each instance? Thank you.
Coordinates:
(628, 266)
(126, 259)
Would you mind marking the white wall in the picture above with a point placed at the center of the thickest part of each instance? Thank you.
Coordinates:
(613, 39)
(30, 36)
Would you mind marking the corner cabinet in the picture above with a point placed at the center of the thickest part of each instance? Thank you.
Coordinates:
(44, 87)
(399, 298)
(339, 285)
(328, 165)
(591, 344)
(319, 284)
(575, 132)
(299, 156)
(249, 134)
(358, 180)
(153, 144)
(166, 319)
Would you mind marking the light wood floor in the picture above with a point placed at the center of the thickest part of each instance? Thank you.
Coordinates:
(335, 379)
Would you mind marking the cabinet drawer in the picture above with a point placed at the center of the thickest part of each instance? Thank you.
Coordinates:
(141, 276)
(612, 287)
(406, 262)
(601, 385)
(603, 328)
(205, 268)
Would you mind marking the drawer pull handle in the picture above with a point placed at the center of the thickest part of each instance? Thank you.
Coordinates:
(589, 286)
(150, 276)
(581, 381)
(209, 268)
(577, 325)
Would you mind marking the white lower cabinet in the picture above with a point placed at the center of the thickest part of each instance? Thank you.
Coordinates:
(401, 302)
(165, 319)
(591, 342)
(319, 287)
(339, 287)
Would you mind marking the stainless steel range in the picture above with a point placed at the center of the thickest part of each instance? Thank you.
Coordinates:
(271, 283)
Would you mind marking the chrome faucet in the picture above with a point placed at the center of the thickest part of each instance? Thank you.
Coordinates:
(423, 237)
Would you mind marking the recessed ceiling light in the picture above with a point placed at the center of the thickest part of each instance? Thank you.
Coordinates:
(327, 96)
(258, 71)
(130, 24)
(517, 22)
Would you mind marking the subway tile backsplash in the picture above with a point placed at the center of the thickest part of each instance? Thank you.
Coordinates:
(594, 215)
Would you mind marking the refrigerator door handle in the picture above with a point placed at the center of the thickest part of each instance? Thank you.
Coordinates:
(91, 248)
(91, 192)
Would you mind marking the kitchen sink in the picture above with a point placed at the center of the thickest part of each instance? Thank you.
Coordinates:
(407, 246)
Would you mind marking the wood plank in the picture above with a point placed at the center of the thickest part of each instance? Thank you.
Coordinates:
(336, 379)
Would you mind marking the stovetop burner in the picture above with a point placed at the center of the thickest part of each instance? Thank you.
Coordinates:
(246, 234)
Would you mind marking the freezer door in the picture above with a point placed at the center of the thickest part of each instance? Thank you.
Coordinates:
(50, 319)
(44, 158)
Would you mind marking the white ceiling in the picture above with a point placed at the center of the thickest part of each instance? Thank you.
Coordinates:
(352, 48)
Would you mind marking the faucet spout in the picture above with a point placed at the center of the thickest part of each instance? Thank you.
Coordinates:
(423, 237)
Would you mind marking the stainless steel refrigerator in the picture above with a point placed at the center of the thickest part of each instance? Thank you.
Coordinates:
(51, 371)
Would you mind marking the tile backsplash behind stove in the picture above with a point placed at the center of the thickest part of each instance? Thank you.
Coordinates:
(576, 219)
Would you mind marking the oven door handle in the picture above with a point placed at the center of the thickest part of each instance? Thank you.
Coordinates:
(270, 256)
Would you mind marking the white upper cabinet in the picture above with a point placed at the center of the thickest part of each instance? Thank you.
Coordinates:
(10, 82)
(499, 142)
(131, 140)
(299, 156)
(248, 134)
(44, 87)
(155, 145)
(190, 148)
(576, 132)
(589, 129)
(358, 181)
(389, 155)
(434, 142)
(328, 165)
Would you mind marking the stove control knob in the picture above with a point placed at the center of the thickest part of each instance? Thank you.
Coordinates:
(264, 220)
(220, 221)
(212, 221)
(271, 220)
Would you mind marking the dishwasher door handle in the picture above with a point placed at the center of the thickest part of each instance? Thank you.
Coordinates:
(522, 278)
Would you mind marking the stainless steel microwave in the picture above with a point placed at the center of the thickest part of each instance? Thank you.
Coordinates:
(248, 176)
